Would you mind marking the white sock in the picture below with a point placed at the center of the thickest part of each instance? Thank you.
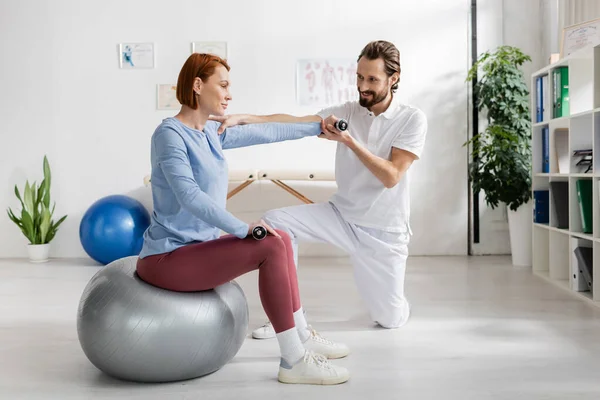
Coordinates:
(292, 349)
(301, 325)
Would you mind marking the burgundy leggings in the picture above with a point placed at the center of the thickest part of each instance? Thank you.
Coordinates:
(203, 266)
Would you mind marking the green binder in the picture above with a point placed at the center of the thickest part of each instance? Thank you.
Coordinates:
(560, 78)
(584, 196)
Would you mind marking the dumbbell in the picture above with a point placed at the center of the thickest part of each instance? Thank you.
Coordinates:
(341, 125)
(259, 232)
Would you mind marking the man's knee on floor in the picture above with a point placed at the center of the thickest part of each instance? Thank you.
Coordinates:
(388, 323)
(393, 319)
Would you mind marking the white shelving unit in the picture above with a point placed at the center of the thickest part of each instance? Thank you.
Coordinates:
(553, 247)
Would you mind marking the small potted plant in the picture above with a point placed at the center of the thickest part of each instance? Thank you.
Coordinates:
(35, 220)
(501, 154)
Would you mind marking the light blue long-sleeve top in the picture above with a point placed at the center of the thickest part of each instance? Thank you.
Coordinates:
(190, 179)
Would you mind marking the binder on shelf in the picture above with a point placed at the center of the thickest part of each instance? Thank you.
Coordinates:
(560, 196)
(547, 99)
(539, 107)
(541, 206)
(561, 101)
(584, 197)
(545, 149)
(583, 271)
(544, 106)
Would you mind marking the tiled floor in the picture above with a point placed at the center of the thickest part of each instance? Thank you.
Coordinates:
(480, 329)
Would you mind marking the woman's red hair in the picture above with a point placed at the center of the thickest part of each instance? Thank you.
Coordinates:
(198, 65)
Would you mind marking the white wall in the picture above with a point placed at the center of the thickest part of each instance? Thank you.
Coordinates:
(63, 95)
(549, 10)
(571, 12)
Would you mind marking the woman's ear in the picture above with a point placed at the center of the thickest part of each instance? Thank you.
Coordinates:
(198, 84)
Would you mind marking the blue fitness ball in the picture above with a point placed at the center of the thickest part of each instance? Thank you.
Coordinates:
(113, 228)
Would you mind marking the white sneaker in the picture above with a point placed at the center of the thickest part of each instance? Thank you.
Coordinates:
(312, 369)
(320, 345)
(264, 332)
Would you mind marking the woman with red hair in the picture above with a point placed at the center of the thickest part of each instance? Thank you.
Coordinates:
(183, 250)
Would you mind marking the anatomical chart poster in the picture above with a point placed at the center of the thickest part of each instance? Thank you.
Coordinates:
(325, 82)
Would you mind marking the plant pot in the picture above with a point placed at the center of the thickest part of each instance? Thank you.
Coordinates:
(38, 253)
(519, 226)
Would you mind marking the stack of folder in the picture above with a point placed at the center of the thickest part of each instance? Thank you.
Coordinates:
(555, 103)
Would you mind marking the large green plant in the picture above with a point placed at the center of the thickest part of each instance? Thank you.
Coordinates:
(501, 154)
(36, 221)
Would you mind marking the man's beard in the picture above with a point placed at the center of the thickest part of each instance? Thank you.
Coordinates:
(375, 98)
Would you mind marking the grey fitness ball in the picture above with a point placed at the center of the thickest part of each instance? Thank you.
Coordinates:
(134, 331)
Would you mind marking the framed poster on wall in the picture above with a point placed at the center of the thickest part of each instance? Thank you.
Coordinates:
(166, 97)
(216, 48)
(324, 82)
(579, 36)
(136, 55)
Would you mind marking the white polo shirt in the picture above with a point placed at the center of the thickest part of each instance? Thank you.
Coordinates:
(361, 197)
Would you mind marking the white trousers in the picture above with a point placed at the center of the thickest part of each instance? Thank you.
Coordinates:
(378, 257)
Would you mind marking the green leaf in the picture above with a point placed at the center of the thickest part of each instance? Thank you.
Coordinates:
(46, 200)
(34, 202)
(28, 226)
(14, 218)
(41, 190)
(47, 174)
(18, 196)
(47, 180)
(60, 221)
(44, 225)
(28, 198)
(34, 192)
(54, 228)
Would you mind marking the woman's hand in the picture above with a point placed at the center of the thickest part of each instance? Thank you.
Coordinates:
(264, 225)
(228, 121)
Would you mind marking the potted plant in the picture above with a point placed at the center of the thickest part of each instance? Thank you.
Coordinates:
(501, 154)
(36, 221)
